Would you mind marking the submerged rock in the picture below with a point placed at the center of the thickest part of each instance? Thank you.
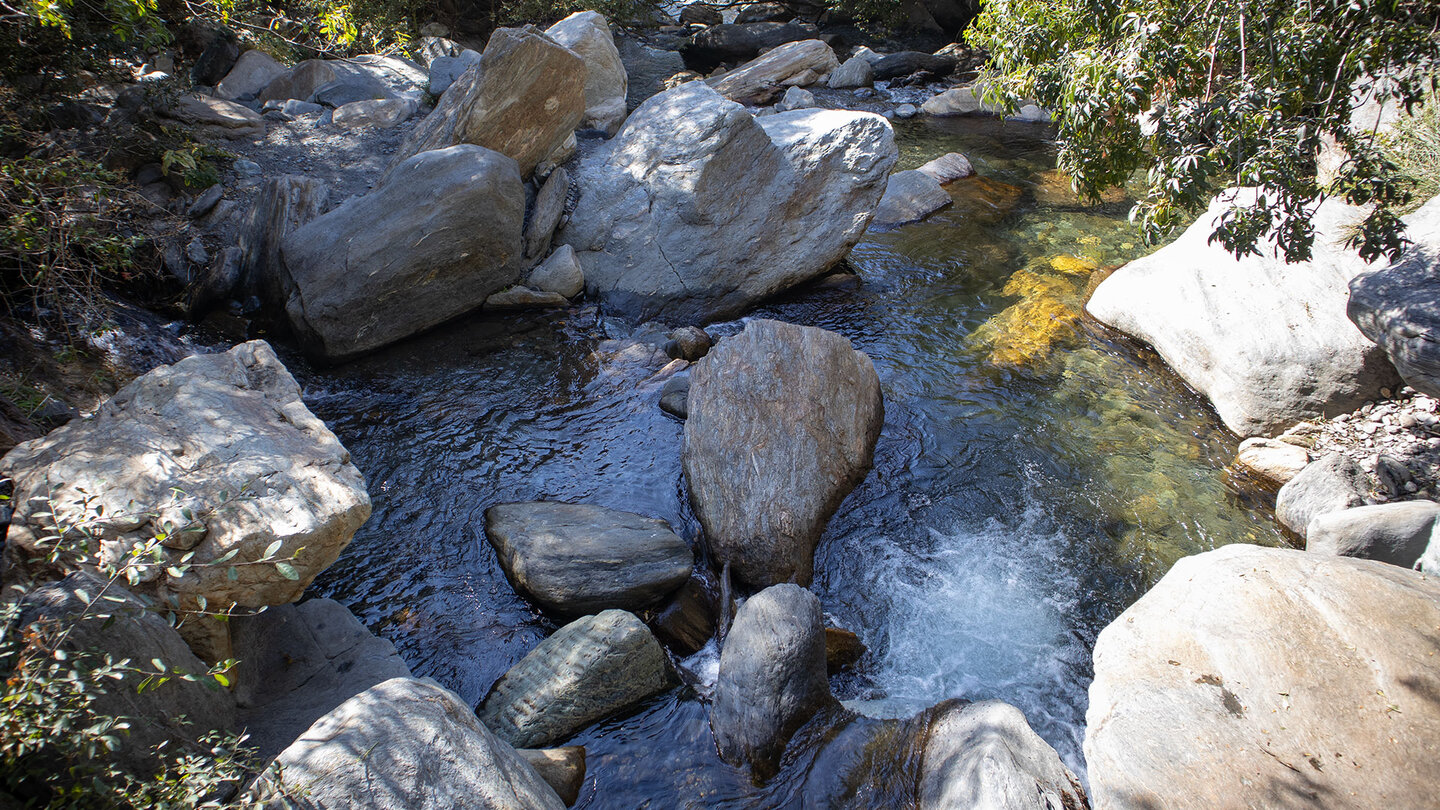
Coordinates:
(587, 33)
(948, 168)
(406, 744)
(432, 242)
(575, 559)
(696, 211)
(782, 424)
(563, 769)
(1267, 342)
(523, 100)
(910, 196)
(214, 454)
(590, 669)
(772, 677)
(1293, 680)
(985, 755)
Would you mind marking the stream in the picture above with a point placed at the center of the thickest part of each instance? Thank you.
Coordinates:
(1035, 476)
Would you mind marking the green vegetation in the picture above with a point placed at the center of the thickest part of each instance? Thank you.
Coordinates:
(1206, 96)
(1414, 145)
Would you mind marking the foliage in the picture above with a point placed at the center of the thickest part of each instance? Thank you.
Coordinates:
(1212, 95)
(56, 744)
(1414, 146)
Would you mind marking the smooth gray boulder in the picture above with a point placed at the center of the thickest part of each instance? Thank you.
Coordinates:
(675, 396)
(284, 204)
(380, 113)
(1328, 484)
(432, 242)
(177, 712)
(853, 72)
(910, 196)
(203, 453)
(444, 70)
(1267, 342)
(1257, 677)
(646, 69)
(948, 168)
(559, 274)
(297, 662)
(1398, 306)
(523, 100)
(1396, 533)
(371, 75)
(772, 677)
(577, 559)
(1274, 462)
(253, 71)
(405, 744)
(696, 211)
(795, 99)
(590, 669)
(546, 213)
(985, 755)
(214, 117)
(967, 100)
(587, 33)
(782, 424)
(737, 43)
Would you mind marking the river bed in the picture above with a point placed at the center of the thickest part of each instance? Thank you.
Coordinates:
(1034, 476)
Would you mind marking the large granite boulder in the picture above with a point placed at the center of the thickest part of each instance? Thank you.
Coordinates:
(365, 76)
(739, 42)
(284, 204)
(855, 72)
(782, 424)
(1328, 484)
(760, 80)
(696, 210)
(1268, 342)
(432, 242)
(213, 455)
(1397, 533)
(587, 33)
(405, 744)
(772, 677)
(177, 712)
(523, 100)
(1398, 306)
(297, 662)
(251, 74)
(646, 69)
(1255, 677)
(985, 755)
(590, 669)
(576, 559)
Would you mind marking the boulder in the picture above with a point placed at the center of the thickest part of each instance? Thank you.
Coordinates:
(958, 101)
(405, 744)
(577, 559)
(435, 46)
(763, 12)
(284, 204)
(366, 76)
(985, 755)
(301, 81)
(563, 769)
(559, 274)
(855, 72)
(346, 90)
(1330, 484)
(216, 284)
(905, 63)
(298, 662)
(675, 396)
(782, 424)
(519, 297)
(587, 33)
(206, 454)
(1267, 342)
(796, 99)
(430, 243)
(214, 117)
(696, 210)
(1398, 306)
(380, 113)
(177, 712)
(755, 82)
(701, 14)
(772, 677)
(737, 43)
(252, 73)
(948, 168)
(590, 669)
(687, 343)
(843, 649)
(1396, 533)
(219, 50)
(910, 196)
(444, 70)
(1256, 677)
(523, 100)
(1273, 462)
(546, 213)
(646, 69)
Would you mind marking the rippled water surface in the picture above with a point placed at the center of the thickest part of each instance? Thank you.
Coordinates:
(1033, 477)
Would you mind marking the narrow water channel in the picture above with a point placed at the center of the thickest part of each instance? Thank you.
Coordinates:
(1033, 477)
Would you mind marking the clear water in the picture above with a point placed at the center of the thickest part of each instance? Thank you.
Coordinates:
(1035, 474)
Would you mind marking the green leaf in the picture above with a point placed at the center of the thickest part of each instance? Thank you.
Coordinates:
(271, 549)
(287, 570)
(159, 665)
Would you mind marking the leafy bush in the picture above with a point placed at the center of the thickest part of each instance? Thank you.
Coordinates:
(1414, 146)
(1226, 93)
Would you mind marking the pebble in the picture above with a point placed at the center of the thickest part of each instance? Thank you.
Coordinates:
(1408, 420)
(246, 168)
(1385, 392)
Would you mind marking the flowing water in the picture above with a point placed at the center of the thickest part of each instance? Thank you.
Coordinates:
(1034, 476)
